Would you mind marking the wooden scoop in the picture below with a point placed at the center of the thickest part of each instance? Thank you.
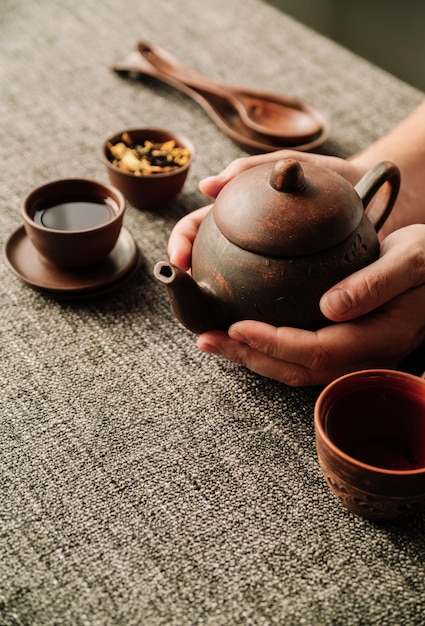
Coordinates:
(219, 106)
(264, 113)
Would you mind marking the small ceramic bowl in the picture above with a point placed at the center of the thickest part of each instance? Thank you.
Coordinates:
(370, 438)
(73, 222)
(147, 188)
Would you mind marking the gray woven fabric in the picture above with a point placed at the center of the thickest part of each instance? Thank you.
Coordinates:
(142, 482)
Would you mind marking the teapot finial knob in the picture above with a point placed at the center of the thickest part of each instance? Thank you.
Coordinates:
(287, 175)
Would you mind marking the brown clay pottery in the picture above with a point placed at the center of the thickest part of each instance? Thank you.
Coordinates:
(255, 120)
(73, 222)
(157, 187)
(370, 438)
(277, 237)
(264, 113)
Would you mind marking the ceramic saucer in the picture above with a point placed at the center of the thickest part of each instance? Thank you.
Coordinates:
(28, 265)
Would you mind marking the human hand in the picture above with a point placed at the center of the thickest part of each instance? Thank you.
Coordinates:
(183, 235)
(381, 315)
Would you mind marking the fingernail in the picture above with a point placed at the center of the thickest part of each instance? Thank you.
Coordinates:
(237, 336)
(338, 302)
(218, 179)
(212, 185)
(207, 347)
(207, 179)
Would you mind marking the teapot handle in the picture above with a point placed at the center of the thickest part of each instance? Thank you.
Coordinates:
(371, 183)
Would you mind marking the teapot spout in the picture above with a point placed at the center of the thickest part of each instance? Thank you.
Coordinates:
(196, 308)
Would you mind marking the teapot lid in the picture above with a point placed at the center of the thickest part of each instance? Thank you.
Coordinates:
(287, 209)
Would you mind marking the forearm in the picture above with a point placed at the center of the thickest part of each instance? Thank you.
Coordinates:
(405, 146)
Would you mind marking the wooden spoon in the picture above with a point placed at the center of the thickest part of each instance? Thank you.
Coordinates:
(264, 113)
(222, 113)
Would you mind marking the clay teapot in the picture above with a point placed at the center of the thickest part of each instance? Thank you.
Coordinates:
(277, 237)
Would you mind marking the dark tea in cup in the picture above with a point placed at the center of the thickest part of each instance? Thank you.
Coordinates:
(370, 438)
(78, 215)
(379, 425)
(74, 223)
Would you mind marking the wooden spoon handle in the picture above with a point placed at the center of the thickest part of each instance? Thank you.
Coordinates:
(169, 65)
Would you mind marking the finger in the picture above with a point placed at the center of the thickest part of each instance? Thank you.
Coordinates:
(400, 267)
(291, 374)
(182, 237)
(218, 342)
(212, 185)
(327, 348)
(381, 336)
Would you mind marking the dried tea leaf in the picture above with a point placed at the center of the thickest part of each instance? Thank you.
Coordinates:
(149, 158)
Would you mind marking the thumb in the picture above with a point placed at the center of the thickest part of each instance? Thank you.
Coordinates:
(396, 271)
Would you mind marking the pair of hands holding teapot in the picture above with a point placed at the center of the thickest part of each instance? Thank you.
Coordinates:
(380, 309)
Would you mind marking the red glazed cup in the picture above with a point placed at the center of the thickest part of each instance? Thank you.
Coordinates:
(370, 439)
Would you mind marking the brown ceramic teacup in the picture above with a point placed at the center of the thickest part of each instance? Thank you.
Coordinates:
(75, 222)
(370, 438)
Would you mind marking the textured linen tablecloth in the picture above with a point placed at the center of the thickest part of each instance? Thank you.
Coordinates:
(142, 482)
